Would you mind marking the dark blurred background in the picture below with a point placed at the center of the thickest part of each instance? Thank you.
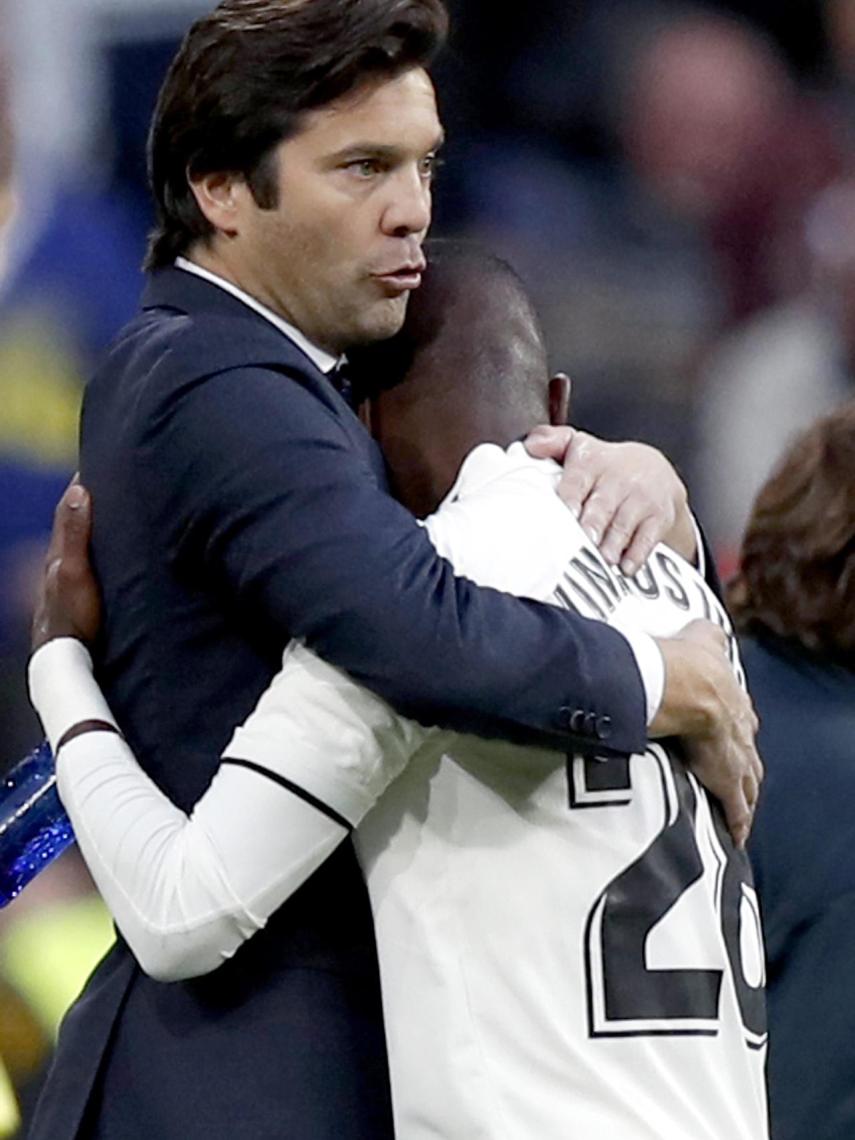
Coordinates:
(674, 181)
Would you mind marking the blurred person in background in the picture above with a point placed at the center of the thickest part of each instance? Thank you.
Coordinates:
(662, 160)
(776, 373)
(794, 601)
(714, 126)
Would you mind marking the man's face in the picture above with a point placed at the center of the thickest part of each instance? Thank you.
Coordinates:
(341, 252)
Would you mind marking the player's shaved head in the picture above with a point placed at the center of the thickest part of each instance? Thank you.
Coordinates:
(468, 367)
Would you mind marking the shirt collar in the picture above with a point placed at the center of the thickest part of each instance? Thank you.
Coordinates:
(322, 359)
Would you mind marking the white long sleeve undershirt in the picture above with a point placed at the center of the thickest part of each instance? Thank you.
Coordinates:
(187, 891)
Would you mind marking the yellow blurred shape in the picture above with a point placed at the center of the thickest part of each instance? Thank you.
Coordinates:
(40, 390)
(10, 1119)
(48, 953)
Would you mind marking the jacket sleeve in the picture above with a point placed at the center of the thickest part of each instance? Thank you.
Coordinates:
(258, 487)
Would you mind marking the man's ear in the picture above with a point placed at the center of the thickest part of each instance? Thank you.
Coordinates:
(559, 399)
(220, 197)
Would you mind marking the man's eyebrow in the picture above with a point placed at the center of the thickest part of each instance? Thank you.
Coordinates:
(378, 150)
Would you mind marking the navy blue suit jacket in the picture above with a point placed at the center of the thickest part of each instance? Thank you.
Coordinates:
(802, 849)
(240, 503)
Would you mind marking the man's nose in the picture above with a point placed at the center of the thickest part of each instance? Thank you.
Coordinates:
(408, 209)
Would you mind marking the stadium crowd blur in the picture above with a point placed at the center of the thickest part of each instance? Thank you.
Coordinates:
(675, 182)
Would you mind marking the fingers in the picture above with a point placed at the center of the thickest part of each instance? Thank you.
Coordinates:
(67, 563)
(741, 772)
(627, 528)
(72, 521)
(574, 490)
(547, 442)
(72, 530)
(606, 483)
(641, 546)
(741, 830)
(751, 791)
(738, 814)
(596, 512)
(566, 446)
(758, 769)
(54, 544)
(753, 762)
(745, 726)
(627, 496)
(578, 452)
(68, 602)
(580, 488)
(629, 533)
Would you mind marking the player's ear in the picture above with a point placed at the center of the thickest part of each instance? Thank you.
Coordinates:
(559, 399)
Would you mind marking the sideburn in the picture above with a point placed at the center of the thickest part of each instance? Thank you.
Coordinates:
(262, 182)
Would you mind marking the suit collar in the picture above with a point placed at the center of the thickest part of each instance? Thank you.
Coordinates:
(324, 361)
(171, 288)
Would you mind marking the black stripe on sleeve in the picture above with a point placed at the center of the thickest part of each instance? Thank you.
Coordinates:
(301, 793)
(83, 727)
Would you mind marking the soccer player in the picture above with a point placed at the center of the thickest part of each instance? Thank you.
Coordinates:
(565, 943)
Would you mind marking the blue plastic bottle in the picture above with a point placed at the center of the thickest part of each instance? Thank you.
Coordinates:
(34, 828)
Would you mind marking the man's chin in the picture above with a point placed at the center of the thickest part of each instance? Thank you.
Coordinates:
(382, 322)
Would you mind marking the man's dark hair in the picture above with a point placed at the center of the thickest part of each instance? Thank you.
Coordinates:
(797, 574)
(244, 76)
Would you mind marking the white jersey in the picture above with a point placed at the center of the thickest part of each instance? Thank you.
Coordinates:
(569, 948)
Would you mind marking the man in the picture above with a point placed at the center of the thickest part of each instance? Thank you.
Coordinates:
(241, 504)
(495, 899)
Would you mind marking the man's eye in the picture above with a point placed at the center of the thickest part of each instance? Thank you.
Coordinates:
(430, 165)
(365, 167)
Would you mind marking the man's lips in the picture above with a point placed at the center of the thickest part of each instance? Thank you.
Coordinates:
(407, 276)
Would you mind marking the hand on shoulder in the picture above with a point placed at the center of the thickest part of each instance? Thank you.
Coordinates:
(627, 496)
